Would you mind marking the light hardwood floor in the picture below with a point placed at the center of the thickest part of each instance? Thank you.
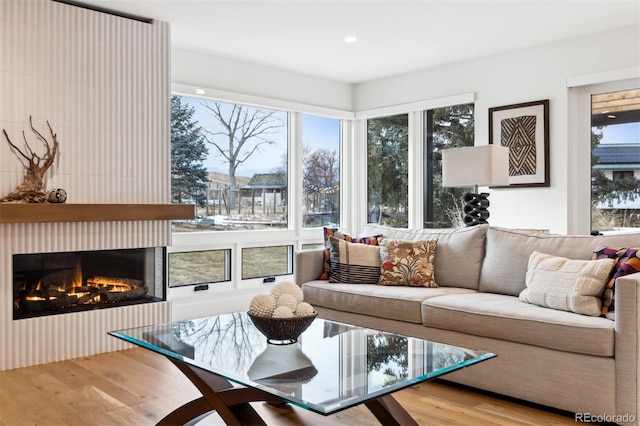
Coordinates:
(138, 387)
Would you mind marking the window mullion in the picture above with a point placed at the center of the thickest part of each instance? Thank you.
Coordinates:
(295, 171)
(355, 176)
(416, 170)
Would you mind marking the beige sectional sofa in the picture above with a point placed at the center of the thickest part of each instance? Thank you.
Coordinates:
(578, 363)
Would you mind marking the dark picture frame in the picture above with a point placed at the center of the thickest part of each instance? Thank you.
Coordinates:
(524, 128)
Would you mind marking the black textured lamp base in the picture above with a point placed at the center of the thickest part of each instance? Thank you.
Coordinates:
(476, 209)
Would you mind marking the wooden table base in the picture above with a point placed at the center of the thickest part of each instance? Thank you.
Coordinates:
(232, 403)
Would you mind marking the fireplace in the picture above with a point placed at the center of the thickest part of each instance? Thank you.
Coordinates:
(63, 282)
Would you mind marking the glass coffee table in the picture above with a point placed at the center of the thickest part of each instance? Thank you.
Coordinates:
(333, 366)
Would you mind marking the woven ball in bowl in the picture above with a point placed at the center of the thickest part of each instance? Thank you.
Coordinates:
(282, 331)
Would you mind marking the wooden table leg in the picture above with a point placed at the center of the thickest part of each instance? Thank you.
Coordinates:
(389, 412)
(231, 403)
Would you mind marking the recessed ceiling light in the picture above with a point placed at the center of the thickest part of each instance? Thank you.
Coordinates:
(199, 92)
(350, 39)
(611, 116)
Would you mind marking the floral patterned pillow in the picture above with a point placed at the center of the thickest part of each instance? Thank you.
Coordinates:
(408, 263)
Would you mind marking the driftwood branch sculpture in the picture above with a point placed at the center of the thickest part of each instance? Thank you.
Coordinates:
(32, 190)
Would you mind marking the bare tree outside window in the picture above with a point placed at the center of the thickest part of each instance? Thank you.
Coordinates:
(321, 171)
(246, 181)
(237, 133)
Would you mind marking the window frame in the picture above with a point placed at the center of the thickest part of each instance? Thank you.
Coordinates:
(353, 197)
(578, 186)
(416, 153)
(294, 235)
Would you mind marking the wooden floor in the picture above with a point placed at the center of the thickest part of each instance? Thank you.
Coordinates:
(138, 387)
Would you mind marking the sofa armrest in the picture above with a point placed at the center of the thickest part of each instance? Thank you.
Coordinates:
(627, 345)
(308, 265)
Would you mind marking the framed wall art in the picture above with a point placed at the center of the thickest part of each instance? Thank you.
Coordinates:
(524, 128)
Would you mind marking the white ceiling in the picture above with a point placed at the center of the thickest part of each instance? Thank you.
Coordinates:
(395, 37)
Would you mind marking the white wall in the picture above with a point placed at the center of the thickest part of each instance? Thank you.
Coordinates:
(525, 75)
(223, 74)
(531, 74)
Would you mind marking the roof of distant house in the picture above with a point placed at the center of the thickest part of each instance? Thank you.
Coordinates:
(618, 154)
(267, 181)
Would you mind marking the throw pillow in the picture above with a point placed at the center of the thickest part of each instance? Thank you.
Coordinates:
(409, 263)
(353, 263)
(566, 284)
(328, 232)
(627, 262)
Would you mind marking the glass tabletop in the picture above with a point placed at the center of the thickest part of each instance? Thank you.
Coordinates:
(333, 365)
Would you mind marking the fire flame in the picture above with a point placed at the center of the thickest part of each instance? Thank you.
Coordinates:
(77, 289)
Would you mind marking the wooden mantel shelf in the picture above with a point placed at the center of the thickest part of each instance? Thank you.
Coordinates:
(33, 213)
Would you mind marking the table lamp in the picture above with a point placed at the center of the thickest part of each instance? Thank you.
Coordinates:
(485, 165)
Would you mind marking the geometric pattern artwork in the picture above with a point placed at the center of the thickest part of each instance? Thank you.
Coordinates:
(519, 135)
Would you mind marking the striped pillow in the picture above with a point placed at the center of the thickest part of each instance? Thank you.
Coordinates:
(353, 263)
(329, 232)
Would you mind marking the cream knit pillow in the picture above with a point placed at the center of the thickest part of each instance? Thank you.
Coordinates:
(565, 284)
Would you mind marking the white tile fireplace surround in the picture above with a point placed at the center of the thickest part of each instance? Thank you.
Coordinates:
(103, 83)
(56, 337)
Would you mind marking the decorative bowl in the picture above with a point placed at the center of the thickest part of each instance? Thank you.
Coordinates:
(282, 331)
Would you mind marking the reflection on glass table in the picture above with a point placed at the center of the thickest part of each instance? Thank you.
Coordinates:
(332, 367)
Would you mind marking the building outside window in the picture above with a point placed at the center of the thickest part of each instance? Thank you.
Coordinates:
(615, 161)
(622, 174)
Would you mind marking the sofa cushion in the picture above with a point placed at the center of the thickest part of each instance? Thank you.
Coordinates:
(627, 262)
(327, 233)
(507, 318)
(507, 254)
(408, 263)
(569, 285)
(353, 263)
(458, 255)
(393, 302)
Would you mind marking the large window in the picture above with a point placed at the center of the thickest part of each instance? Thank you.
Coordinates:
(267, 181)
(321, 171)
(231, 161)
(447, 127)
(387, 170)
(234, 162)
(615, 161)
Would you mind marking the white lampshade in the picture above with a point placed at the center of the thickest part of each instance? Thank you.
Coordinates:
(485, 165)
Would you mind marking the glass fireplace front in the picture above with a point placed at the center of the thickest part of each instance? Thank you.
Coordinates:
(55, 283)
